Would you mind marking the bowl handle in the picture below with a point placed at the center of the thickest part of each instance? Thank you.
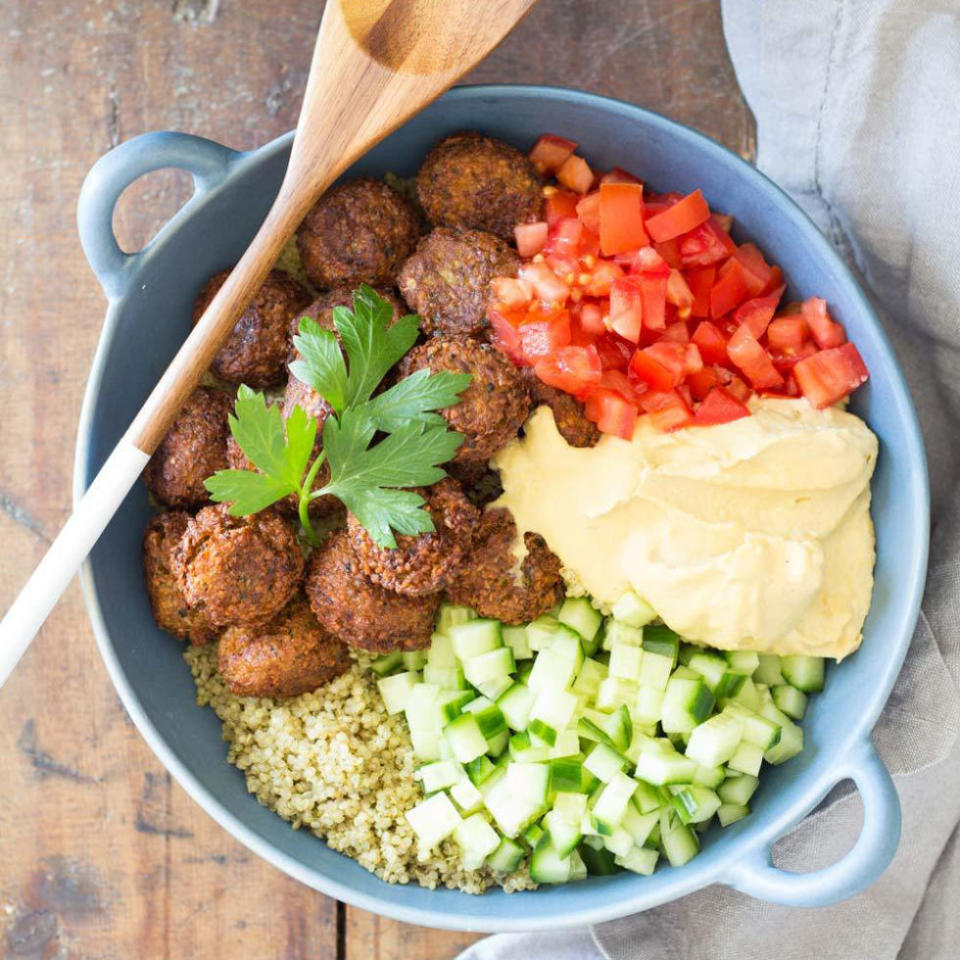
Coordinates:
(208, 162)
(870, 856)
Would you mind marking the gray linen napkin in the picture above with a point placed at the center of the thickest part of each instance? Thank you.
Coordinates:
(858, 115)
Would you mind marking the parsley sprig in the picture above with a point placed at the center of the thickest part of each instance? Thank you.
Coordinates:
(375, 446)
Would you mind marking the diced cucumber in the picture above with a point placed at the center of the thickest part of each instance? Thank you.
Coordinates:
(804, 673)
(495, 689)
(439, 775)
(567, 745)
(748, 758)
(515, 637)
(633, 610)
(695, 804)
(540, 632)
(743, 661)
(639, 860)
(433, 820)
(451, 615)
(492, 665)
(552, 671)
(587, 729)
(747, 696)
(542, 732)
(515, 705)
(414, 659)
(648, 705)
(619, 633)
(572, 805)
(591, 674)
(578, 869)
(757, 728)
(686, 703)
(715, 741)
(599, 862)
(662, 641)
(580, 614)
(524, 750)
(477, 841)
(498, 745)
(768, 670)
(611, 803)
(738, 790)
(790, 700)
(655, 670)
(426, 744)
(474, 637)
(618, 842)
(710, 777)
(730, 685)
(637, 824)
(791, 743)
(395, 691)
(554, 707)
(625, 661)
(619, 728)
(447, 678)
(422, 710)
(604, 762)
(490, 720)
(710, 666)
(466, 796)
(451, 703)
(479, 770)
(648, 798)
(564, 833)
(386, 664)
(546, 864)
(519, 797)
(614, 692)
(680, 844)
(440, 652)
(728, 813)
(532, 834)
(507, 857)
(663, 765)
(465, 737)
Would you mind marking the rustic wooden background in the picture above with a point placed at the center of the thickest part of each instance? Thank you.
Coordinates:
(101, 854)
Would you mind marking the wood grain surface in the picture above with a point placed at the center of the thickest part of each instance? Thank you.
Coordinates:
(101, 854)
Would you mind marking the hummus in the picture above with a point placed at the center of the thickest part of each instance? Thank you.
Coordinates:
(752, 535)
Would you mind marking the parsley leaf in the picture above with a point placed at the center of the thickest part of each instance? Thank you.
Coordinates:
(369, 480)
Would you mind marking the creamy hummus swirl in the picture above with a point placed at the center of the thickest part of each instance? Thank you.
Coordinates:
(751, 535)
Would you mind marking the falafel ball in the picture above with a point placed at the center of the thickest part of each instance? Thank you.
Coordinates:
(492, 582)
(447, 280)
(359, 611)
(238, 570)
(170, 608)
(494, 404)
(421, 564)
(290, 655)
(568, 411)
(359, 232)
(257, 349)
(321, 309)
(194, 448)
(469, 180)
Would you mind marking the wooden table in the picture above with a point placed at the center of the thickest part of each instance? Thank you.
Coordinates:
(101, 854)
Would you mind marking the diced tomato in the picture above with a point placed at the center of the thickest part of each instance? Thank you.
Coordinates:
(729, 289)
(612, 413)
(702, 382)
(756, 314)
(745, 351)
(547, 286)
(711, 341)
(676, 332)
(505, 336)
(565, 237)
(756, 270)
(626, 307)
(775, 282)
(786, 360)
(700, 282)
(653, 288)
(681, 218)
(824, 330)
(602, 277)
(615, 352)
(530, 237)
(619, 382)
(705, 245)
(591, 318)
(575, 174)
(679, 294)
(511, 292)
(669, 250)
(543, 338)
(619, 175)
(787, 333)
(549, 153)
(573, 369)
(560, 204)
(588, 210)
(719, 407)
(668, 410)
(589, 246)
(830, 375)
(621, 218)
(660, 366)
(692, 359)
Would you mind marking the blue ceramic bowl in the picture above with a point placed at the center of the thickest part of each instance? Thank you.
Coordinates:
(151, 293)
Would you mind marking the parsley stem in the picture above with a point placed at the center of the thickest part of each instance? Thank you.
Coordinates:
(305, 498)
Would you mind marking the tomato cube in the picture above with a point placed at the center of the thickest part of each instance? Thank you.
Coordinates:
(705, 245)
(626, 307)
(680, 218)
(700, 282)
(612, 413)
(547, 286)
(615, 352)
(729, 290)
(679, 294)
(756, 314)
(756, 271)
(621, 218)
(602, 277)
(719, 406)
(667, 409)
(661, 366)
(619, 175)
(825, 331)
(505, 336)
(575, 174)
(745, 351)
(830, 375)
(591, 319)
(543, 338)
(702, 382)
(550, 152)
(530, 237)
(560, 204)
(572, 369)
(510, 292)
(787, 333)
(711, 341)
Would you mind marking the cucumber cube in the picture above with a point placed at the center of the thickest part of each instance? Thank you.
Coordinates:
(480, 770)
(599, 863)
(730, 685)
(439, 775)
(591, 674)
(618, 842)
(507, 857)
(680, 844)
(625, 661)
(540, 632)
(566, 778)
(386, 664)
(489, 719)
(564, 832)
(655, 670)
(604, 762)
(616, 632)
(637, 824)
(715, 741)
(662, 641)
(492, 665)
(768, 670)
(728, 813)
(515, 704)
(660, 766)
(791, 743)
(451, 615)
(648, 798)
(477, 840)
(555, 707)
(414, 659)
(759, 730)
(451, 703)
(422, 708)
(546, 864)
(447, 678)
(433, 820)
(686, 703)
(426, 744)
(614, 692)
(515, 637)
(790, 700)
(518, 798)
(737, 790)
(710, 777)
(619, 728)
(395, 691)
(649, 704)
(743, 661)
(552, 671)
(496, 688)
(571, 805)
(633, 610)
(640, 860)
(524, 750)
(441, 652)
(465, 737)
(747, 759)
(695, 804)
(611, 804)
(579, 614)
(542, 732)
(804, 673)
(474, 637)
(567, 745)
(710, 666)
(466, 796)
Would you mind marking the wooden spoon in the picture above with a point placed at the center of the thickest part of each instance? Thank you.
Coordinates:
(376, 63)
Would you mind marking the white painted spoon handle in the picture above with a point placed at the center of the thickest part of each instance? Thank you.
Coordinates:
(67, 553)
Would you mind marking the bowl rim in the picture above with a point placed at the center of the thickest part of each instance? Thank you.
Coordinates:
(685, 882)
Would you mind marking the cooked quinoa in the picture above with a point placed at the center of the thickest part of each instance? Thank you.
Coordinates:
(333, 761)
